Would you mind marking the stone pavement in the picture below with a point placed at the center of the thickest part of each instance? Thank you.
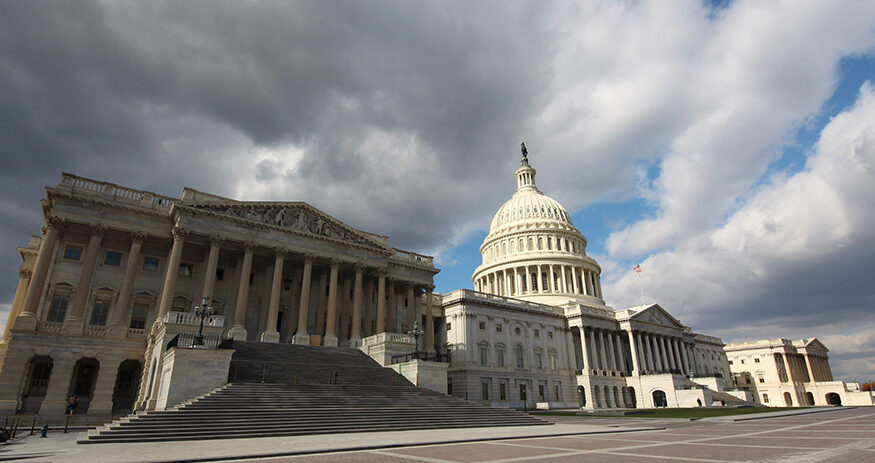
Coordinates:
(837, 435)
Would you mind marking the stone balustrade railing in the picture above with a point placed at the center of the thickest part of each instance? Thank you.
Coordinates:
(596, 311)
(115, 192)
(706, 338)
(398, 338)
(95, 331)
(136, 333)
(190, 318)
(414, 258)
(49, 327)
(486, 297)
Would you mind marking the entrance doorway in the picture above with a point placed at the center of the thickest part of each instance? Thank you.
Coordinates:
(581, 396)
(37, 382)
(659, 399)
(84, 377)
(810, 398)
(523, 397)
(633, 401)
(833, 399)
(788, 399)
(126, 383)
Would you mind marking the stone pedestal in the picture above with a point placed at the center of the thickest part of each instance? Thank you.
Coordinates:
(430, 375)
(25, 322)
(329, 341)
(270, 336)
(382, 347)
(301, 338)
(238, 333)
(189, 373)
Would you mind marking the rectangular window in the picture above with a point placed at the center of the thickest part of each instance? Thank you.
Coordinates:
(484, 389)
(499, 357)
(112, 258)
(185, 270)
(138, 316)
(73, 252)
(556, 393)
(502, 391)
(756, 360)
(550, 334)
(553, 361)
(730, 362)
(762, 380)
(498, 328)
(539, 361)
(484, 356)
(449, 327)
(519, 356)
(99, 313)
(220, 274)
(765, 398)
(537, 333)
(58, 309)
(150, 264)
(482, 325)
(541, 392)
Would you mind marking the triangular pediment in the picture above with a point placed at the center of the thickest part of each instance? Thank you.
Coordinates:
(658, 316)
(815, 344)
(296, 217)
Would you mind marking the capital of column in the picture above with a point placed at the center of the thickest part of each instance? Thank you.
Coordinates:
(382, 272)
(97, 230)
(54, 222)
(179, 233)
(216, 240)
(249, 245)
(138, 236)
(280, 252)
(25, 273)
(359, 268)
(309, 258)
(335, 262)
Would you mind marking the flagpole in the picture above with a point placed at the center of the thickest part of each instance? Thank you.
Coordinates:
(641, 285)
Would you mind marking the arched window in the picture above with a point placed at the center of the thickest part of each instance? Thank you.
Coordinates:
(540, 243)
(503, 249)
(549, 243)
(518, 352)
(529, 248)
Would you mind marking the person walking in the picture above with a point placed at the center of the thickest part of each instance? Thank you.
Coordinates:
(72, 404)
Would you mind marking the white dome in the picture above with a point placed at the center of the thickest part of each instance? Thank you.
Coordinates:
(526, 206)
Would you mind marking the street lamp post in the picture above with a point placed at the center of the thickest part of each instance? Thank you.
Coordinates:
(203, 310)
(416, 333)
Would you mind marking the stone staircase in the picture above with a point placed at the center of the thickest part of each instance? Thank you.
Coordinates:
(319, 390)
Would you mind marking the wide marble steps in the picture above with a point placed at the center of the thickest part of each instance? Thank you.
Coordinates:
(287, 390)
(263, 410)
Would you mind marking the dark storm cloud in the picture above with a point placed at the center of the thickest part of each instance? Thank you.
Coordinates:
(160, 95)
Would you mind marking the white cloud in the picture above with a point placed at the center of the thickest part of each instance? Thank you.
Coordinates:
(783, 259)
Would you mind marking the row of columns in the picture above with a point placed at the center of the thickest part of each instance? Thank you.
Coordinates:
(550, 278)
(816, 368)
(603, 349)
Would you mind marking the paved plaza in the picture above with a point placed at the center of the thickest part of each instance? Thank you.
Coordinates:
(839, 436)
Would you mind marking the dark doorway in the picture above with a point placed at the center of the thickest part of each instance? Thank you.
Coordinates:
(523, 397)
(126, 383)
(833, 399)
(633, 401)
(788, 399)
(659, 399)
(581, 396)
(84, 377)
(810, 398)
(39, 372)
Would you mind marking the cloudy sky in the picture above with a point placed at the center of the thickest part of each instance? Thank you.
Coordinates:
(728, 146)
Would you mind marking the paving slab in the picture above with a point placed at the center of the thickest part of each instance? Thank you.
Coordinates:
(62, 447)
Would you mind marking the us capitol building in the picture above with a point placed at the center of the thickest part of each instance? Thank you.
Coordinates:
(116, 272)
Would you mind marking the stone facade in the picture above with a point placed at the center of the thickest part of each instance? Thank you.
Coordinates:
(115, 273)
(783, 372)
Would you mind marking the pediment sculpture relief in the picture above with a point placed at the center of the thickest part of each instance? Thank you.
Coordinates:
(292, 218)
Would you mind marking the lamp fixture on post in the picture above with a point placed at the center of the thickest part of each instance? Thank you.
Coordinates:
(416, 333)
(203, 310)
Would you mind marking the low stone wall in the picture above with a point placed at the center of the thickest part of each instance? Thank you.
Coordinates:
(189, 373)
(430, 375)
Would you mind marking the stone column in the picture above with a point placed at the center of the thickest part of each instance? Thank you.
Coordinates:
(633, 349)
(238, 330)
(594, 356)
(381, 302)
(620, 357)
(118, 315)
(583, 349)
(663, 353)
(302, 336)
(552, 286)
(26, 320)
(612, 358)
(73, 323)
(171, 273)
(669, 352)
(677, 354)
(657, 358)
(411, 314)
(648, 352)
(516, 283)
(270, 333)
(321, 302)
(24, 276)
(686, 357)
(808, 367)
(429, 320)
(604, 359)
(55, 401)
(564, 279)
(212, 263)
(392, 307)
(104, 386)
(588, 281)
(368, 307)
(356, 335)
(331, 312)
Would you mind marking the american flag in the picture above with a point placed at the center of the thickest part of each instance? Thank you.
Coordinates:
(637, 268)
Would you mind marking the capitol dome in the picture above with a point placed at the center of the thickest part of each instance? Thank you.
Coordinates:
(533, 251)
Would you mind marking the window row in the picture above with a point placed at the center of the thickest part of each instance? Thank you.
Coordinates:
(539, 243)
(519, 357)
